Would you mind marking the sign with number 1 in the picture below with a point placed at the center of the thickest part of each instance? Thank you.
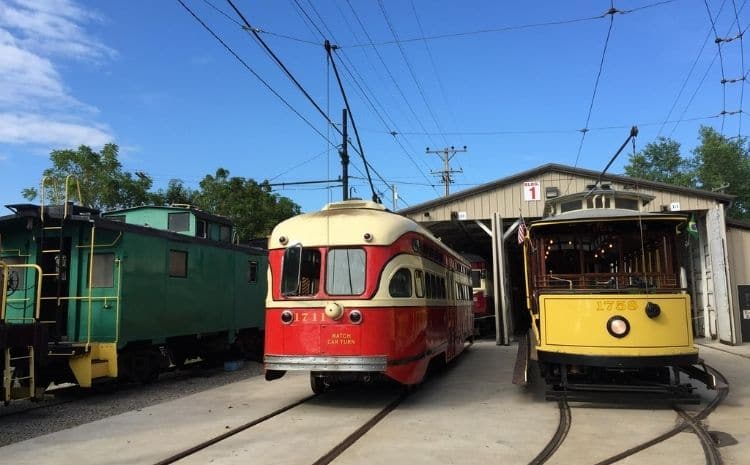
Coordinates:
(531, 191)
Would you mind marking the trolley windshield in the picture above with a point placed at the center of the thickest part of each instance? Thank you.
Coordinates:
(620, 255)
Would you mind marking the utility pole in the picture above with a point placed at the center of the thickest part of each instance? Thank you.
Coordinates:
(447, 153)
(344, 153)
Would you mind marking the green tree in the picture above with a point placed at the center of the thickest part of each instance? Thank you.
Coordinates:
(661, 161)
(104, 184)
(723, 164)
(249, 204)
(175, 193)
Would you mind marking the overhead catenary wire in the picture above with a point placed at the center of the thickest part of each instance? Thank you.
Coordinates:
(251, 70)
(284, 68)
(413, 75)
(703, 78)
(611, 12)
(508, 28)
(718, 41)
(387, 68)
(358, 81)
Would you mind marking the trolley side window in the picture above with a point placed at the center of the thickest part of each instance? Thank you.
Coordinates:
(400, 285)
(103, 270)
(476, 278)
(345, 272)
(300, 274)
(419, 283)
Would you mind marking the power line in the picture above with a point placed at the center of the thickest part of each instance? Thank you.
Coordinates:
(385, 66)
(721, 63)
(434, 66)
(252, 71)
(356, 79)
(558, 131)
(585, 129)
(508, 28)
(703, 79)
(411, 69)
(740, 34)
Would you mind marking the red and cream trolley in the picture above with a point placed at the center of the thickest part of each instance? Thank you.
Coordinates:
(355, 290)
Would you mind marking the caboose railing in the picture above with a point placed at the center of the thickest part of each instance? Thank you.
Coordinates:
(6, 300)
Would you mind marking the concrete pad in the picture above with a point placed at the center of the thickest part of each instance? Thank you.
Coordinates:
(470, 414)
(159, 431)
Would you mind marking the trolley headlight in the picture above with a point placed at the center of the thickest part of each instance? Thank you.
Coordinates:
(286, 317)
(355, 316)
(334, 311)
(618, 326)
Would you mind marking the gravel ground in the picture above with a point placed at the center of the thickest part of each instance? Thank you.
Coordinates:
(74, 406)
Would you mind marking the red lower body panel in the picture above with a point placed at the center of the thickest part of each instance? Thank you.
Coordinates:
(396, 341)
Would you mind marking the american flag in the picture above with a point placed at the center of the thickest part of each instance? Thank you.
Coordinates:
(522, 232)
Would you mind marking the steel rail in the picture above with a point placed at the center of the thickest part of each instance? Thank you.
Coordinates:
(563, 426)
(722, 392)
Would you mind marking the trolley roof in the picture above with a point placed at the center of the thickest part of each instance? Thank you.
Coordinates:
(346, 223)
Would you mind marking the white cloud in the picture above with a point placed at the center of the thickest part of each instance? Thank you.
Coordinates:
(52, 26)
(34, 34)
(36, 129)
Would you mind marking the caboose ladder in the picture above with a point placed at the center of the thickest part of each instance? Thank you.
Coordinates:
(17, 387)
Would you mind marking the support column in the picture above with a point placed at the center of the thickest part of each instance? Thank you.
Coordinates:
(502, 336)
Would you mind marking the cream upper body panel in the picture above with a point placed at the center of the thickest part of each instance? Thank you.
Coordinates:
(344, 223)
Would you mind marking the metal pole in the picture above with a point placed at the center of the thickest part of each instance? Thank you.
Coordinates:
(344, 158)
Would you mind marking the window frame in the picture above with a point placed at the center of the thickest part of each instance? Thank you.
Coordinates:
(92, 279)
(173, 253)
(175, 215)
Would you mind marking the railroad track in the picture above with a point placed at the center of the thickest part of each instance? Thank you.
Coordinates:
(561, 433)
(325, 459)
(710, 449)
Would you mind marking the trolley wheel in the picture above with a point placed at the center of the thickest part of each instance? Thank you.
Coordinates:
(319, 383)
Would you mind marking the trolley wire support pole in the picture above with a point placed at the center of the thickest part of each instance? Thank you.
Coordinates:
(344, 153)
(448, 153)
(329, 47)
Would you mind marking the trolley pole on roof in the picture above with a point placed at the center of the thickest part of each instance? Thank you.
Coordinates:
(447, 154)
(344, 153)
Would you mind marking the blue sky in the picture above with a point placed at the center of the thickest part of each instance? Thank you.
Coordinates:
(148, 77)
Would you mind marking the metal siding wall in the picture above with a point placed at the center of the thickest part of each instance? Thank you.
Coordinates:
(508, 200)
(738, 249)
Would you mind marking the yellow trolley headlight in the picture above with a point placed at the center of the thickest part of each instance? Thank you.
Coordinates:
(618, 326)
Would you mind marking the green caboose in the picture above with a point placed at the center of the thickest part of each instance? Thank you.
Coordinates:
(130, 292)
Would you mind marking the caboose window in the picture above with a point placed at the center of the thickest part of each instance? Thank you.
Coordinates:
(400, 285)
(178, 222)
(345, 272)
(252, 271)
(178, 264)
(103, 275)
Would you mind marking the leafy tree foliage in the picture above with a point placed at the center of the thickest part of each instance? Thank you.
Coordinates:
(661, 161)
(718, 164)
(250, 205)
(253, 208)
(723, 164)
(104, 185)
(175, 193)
